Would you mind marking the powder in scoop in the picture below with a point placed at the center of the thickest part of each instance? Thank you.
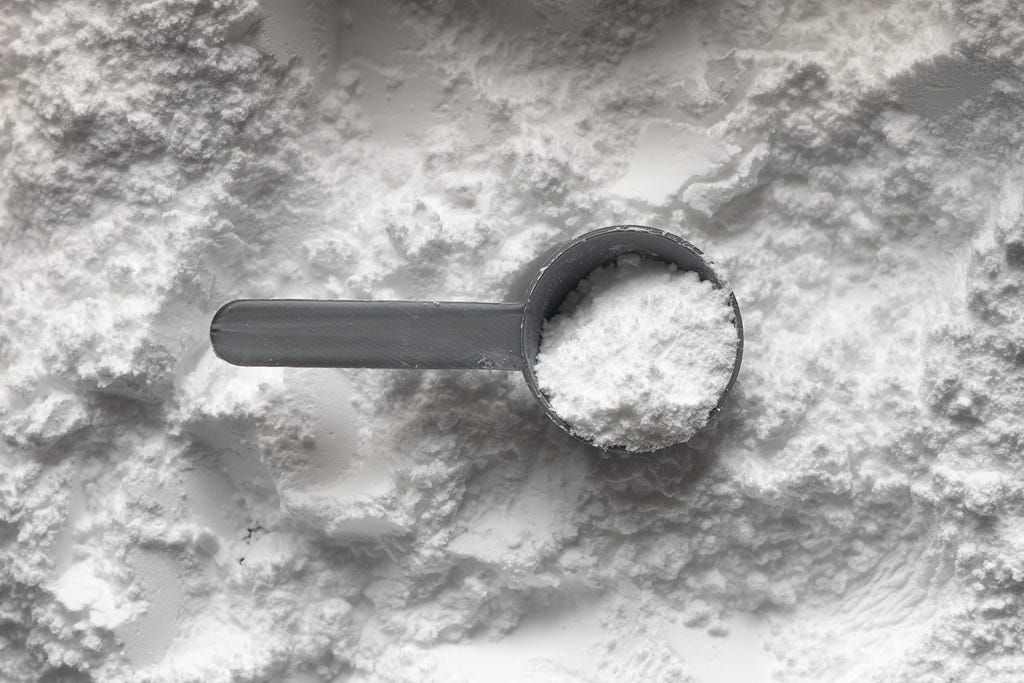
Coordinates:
(638, 355)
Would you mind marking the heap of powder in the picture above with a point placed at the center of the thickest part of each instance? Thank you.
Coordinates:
(638, 355)
(166, 517)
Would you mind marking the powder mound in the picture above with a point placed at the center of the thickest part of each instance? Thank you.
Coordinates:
(638, 355)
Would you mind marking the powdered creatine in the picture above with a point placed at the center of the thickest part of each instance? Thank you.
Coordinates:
(167, 517)
(639, 354)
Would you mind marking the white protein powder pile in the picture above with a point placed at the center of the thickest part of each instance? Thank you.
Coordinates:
(856, 513)
(639, 354)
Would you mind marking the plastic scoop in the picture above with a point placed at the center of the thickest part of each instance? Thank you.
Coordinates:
(445, 335)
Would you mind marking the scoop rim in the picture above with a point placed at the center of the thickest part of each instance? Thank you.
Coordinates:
(531, 303)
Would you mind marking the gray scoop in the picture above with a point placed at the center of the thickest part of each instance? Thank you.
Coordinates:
(445, 335)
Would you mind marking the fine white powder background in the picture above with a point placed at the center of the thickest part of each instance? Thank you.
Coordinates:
(854, 167)
(638, 355)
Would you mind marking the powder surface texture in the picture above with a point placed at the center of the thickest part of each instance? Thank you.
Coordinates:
(853, 167)
(639, 355)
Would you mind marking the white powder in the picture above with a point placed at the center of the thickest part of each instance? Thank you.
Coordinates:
(639, 355)
(853, 165)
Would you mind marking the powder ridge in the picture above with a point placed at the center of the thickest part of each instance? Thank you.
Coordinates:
(639, 354)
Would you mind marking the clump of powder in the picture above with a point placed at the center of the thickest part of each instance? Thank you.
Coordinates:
(638, 355)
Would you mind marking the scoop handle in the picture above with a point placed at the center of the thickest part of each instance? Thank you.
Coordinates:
(369, 334)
